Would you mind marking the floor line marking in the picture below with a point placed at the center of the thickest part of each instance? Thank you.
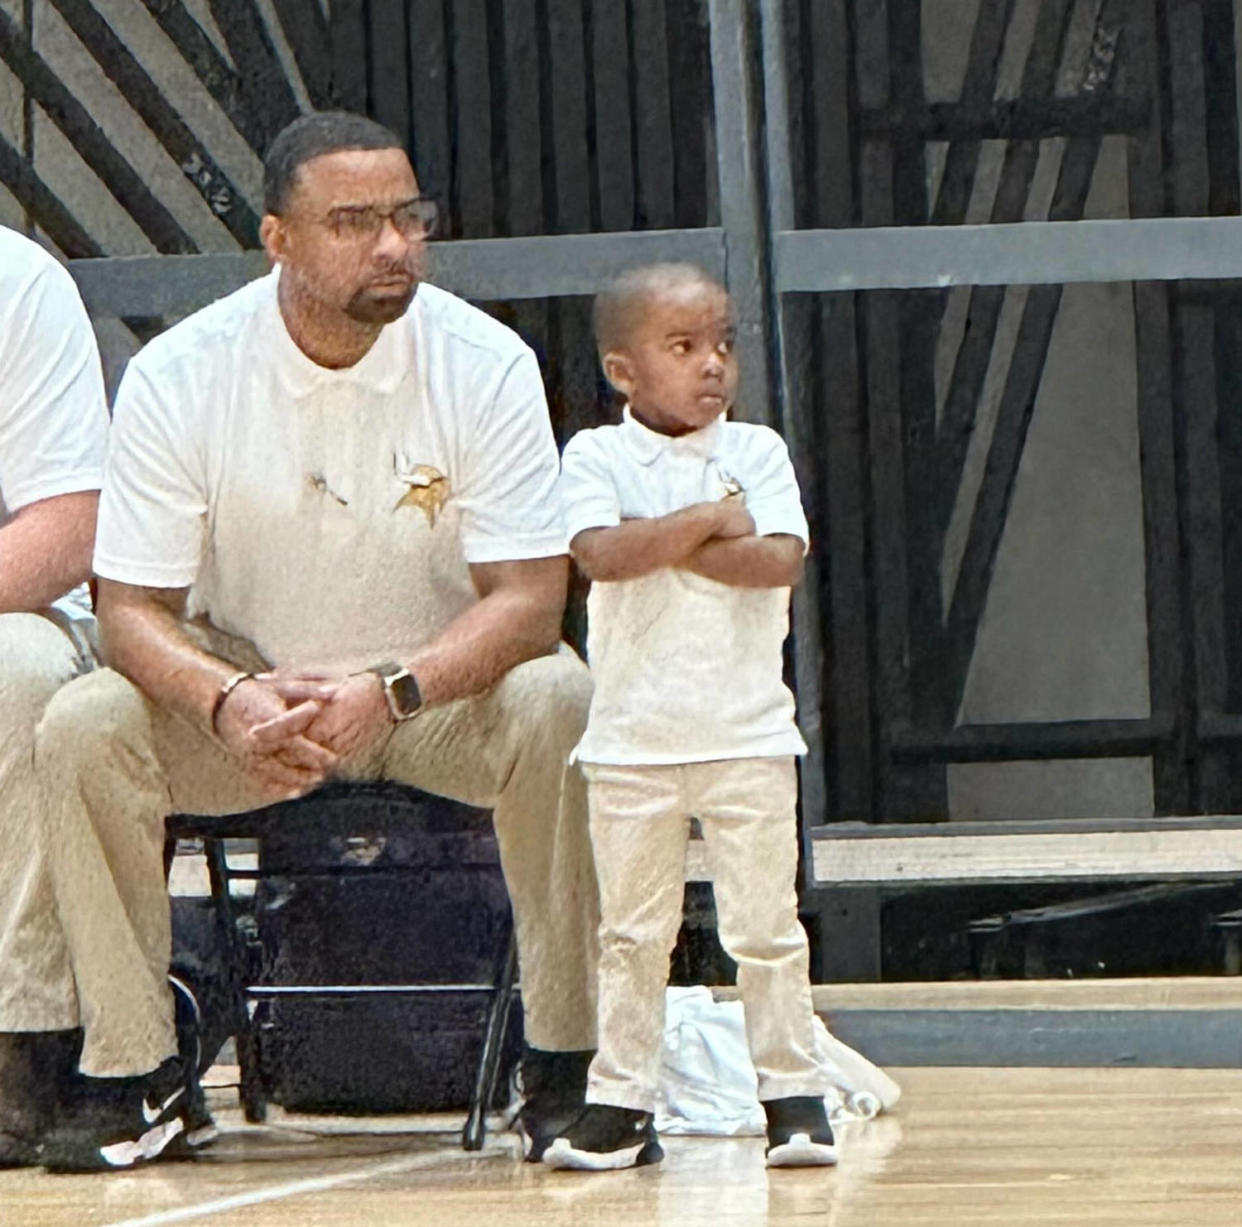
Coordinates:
(294, 1188)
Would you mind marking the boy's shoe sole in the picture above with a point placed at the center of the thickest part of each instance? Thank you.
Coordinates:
(649, 1152)
(801, 1151)
(563, 1157)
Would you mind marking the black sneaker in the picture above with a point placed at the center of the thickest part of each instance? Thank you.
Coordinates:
(799, 1134)
(604, 1138)
(553, 1089)
(200, 1129)
(34, 1069)
(112, 1124)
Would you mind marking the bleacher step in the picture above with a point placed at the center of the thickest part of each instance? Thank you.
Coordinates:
(1190, 1022)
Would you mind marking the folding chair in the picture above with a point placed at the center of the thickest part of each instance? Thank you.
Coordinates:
(238, 940)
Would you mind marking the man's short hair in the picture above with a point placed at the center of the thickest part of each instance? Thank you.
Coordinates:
(311, 136)
(617, 306)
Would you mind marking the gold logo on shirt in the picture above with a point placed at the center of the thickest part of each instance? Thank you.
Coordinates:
(428, 491)
(732, 487)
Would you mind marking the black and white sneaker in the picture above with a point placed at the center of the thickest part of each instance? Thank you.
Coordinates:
(553, 1090)
(799, 1134)
(605, 1138)
(200, 1129)
(114, 1124)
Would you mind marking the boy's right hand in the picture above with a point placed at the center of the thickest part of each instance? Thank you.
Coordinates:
(733, 518)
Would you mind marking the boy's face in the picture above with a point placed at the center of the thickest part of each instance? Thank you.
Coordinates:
(678, 369)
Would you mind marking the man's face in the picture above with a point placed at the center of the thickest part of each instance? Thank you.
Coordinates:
(348, 237)
(678, 369)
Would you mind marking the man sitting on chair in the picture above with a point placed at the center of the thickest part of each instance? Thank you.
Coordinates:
(53, 433)
(329, 546)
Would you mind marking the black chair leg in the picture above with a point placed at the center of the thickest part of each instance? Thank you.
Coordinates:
(493, 1044)
(252, 1092)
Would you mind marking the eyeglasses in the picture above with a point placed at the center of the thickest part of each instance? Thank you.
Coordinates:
(413, 219)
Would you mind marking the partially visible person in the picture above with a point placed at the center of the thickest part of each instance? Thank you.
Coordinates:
(692, 531)
(53, 433)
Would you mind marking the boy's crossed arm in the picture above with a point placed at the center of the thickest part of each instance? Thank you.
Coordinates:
(751, 561)
(716, 540)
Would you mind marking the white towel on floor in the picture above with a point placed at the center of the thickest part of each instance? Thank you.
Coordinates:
(707, 1081)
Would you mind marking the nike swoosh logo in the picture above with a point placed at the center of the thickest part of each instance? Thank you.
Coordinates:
(151, 1113)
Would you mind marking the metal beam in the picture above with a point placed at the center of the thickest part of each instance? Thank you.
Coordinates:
(1026, 741)
(490, 269)
(739, 135)
(1022, 253)
(791, 414)
(1018, 119)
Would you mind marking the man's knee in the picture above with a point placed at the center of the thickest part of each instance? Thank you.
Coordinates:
(36, 659)
(549, 696)
(92, 717)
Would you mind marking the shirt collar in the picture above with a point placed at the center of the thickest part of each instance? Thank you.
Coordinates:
(379, 370)
(649, 445)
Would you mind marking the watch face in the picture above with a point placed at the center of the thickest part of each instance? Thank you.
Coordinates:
(405, 694)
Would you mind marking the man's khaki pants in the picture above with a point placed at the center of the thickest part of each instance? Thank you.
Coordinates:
(116, 765)
(639, 826)
(36, 989)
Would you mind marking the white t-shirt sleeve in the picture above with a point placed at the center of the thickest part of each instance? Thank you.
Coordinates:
(53, 416)
(772, 495)
(152, 513)
(588, 490)
(510, 508)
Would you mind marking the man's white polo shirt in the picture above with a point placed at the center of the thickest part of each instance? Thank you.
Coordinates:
(328, 516)
(686, 669)
(53, 416)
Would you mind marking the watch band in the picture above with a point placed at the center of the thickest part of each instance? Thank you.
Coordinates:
(401, 691)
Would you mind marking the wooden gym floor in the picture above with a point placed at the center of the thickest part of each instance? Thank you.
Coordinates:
(1012, 1146)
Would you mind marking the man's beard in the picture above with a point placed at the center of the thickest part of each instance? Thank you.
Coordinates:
(368, 308)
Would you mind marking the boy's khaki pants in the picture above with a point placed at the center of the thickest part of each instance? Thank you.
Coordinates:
(115, 765)
(36, 990)
(639, 827)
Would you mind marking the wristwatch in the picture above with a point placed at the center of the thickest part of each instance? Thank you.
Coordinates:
(400, 690)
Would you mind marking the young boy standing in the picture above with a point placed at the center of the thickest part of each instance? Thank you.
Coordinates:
(692, 531)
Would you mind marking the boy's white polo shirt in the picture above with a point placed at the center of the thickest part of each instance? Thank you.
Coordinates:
(328, 516)
(686, 669)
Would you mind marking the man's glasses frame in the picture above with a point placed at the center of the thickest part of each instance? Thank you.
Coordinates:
(417, 218)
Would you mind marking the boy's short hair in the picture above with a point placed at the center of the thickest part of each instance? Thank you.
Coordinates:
(616, 306)
(312, 136)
